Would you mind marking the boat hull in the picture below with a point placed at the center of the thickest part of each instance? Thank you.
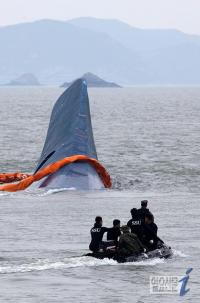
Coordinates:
(162, 252)
(75, 176)
(69, 134)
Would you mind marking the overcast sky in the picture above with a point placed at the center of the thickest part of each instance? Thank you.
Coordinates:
(179, 14)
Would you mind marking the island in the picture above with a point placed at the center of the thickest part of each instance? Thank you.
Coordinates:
(93, 81)
(25, 80)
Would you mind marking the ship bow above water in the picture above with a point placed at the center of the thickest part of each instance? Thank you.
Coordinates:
(69, 134)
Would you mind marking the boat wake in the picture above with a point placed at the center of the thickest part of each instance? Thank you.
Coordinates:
(73, 262)
(178, 253)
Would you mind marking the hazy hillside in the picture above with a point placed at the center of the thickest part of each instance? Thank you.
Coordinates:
(25, 80)
(175, 65)
(93, 81)
(57, 52)
(134, 38)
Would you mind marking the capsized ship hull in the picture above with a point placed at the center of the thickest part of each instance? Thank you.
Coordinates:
(70, 133)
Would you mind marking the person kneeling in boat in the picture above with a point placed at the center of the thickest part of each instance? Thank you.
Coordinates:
(114, 233)
(149, 237)
(129, 244)
(97, 232)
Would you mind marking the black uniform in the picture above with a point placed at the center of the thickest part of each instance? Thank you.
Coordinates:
(142, 212)
(113, 234)
(135, 225)
(97, 233)
(150, 234)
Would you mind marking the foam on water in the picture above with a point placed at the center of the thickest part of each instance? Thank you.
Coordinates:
(178, 253)
(47, 264)
(56, 190)
(3, 194)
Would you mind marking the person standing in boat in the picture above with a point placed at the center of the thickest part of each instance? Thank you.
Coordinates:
(143, 210)
(114, 233)
(97, 232)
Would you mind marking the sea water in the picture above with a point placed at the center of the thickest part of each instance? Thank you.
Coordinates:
(149, 140)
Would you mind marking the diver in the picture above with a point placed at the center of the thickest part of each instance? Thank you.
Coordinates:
(114, 233)
(150, 229)
(135, 223)
(143, 210)
(97, 232)
(129, 244)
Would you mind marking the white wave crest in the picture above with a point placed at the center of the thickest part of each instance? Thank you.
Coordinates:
(3, 193)
(54, 191)
(178, 253)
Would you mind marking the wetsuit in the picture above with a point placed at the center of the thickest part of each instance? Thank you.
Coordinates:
(150, 234)
(142, 212)
(135, 225)
(113, 234)
(97, 233)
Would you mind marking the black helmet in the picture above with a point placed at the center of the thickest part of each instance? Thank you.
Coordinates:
(98, 219)
(134, 211)
(116, 222)
(150, 216)
(144, 203)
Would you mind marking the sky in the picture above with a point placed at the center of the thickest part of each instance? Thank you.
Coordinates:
(180, 14)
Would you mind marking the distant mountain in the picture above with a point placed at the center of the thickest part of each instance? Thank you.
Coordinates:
(93, 81)
(60, 51)
(25, 79)
(142, 40)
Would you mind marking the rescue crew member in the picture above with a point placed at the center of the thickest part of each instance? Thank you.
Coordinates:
(135, 223)
(129, 244)
(143, 210)
(97, 232)
(150, 229)
(114, 233)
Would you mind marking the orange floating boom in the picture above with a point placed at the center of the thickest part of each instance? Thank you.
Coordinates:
(12, 177)
(27, 180)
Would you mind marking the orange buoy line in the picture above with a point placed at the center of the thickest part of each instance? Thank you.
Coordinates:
(12, 177)
(27, 180)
